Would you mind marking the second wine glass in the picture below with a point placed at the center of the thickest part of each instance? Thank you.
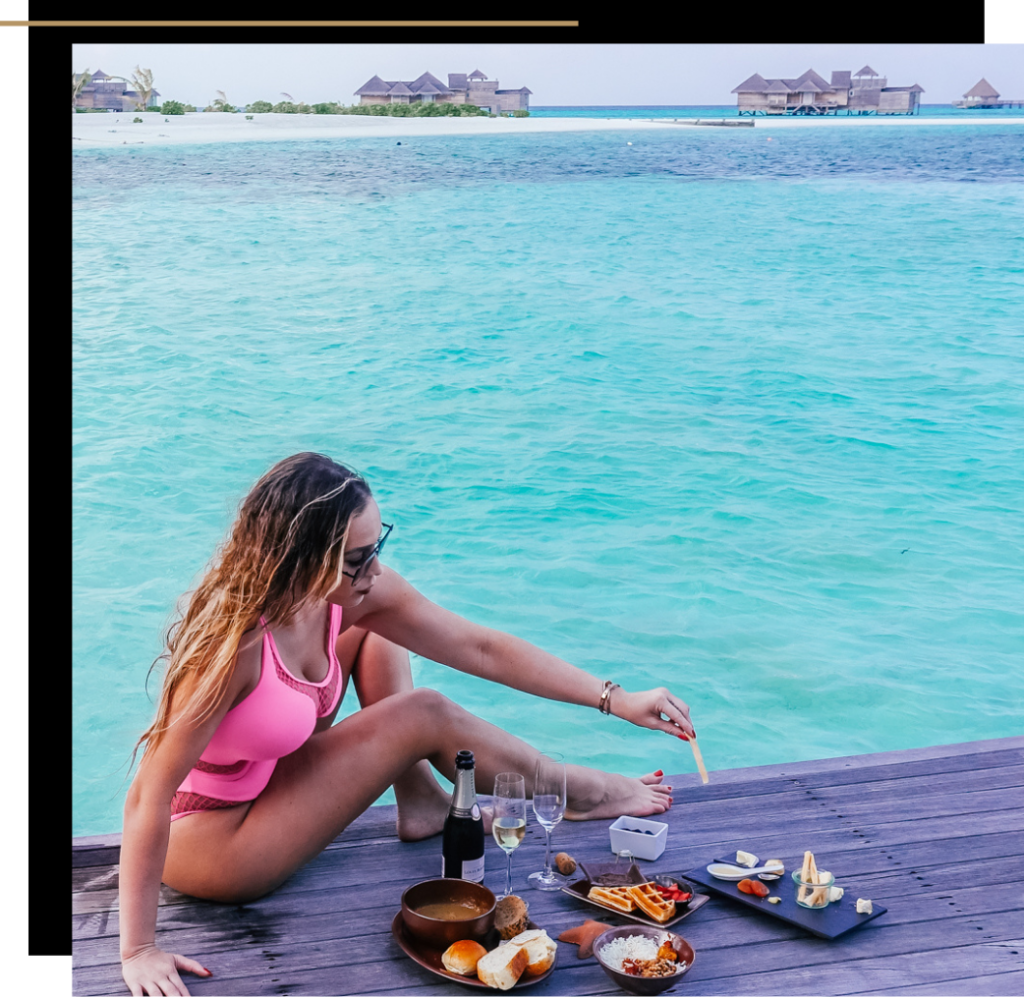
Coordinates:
(509, 823)
(548, 807)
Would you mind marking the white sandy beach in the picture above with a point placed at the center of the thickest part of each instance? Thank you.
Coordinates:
(97, 130)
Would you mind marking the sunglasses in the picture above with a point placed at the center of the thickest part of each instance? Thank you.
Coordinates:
(368, 560)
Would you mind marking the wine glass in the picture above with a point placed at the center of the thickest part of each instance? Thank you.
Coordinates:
(509, 823)
(548, 806)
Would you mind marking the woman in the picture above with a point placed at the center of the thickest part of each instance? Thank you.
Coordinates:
(244, 779)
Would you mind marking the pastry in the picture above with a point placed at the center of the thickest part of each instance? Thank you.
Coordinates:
(502, 967)
(540, 950)
(462, 956)
(649, 899)
(613, 896)
(511, 916)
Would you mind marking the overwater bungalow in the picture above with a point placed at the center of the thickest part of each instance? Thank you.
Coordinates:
(111, 93)
(983, 94)
(461, 88)
(863, 92)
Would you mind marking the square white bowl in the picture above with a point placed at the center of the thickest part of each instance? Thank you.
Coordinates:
(628, 832)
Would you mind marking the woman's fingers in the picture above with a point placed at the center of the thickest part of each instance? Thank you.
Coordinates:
(191, 966)
(678, 713)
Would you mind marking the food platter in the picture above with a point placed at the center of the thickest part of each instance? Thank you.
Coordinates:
(430, 958)
(581, 888)
(829, 922)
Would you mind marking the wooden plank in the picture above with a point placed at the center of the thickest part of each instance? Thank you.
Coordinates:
(886, 825)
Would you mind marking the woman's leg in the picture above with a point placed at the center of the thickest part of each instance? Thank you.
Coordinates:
(243, 852)
(380, 670)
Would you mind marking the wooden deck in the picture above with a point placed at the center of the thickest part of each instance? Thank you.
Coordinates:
(936, 835)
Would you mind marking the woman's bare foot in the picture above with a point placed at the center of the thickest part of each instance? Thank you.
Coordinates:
(594, 795)
(422, 804)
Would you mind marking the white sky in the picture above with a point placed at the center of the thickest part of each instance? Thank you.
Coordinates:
(556, 74)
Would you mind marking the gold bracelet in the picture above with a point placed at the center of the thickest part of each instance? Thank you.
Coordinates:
(605, 706)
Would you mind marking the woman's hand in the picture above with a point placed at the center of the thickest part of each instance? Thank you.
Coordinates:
(153, 971)
(649, 709)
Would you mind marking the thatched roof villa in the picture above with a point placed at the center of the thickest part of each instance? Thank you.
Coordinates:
(863, 92)
(111, 93)
(983, 94)
(461, 88)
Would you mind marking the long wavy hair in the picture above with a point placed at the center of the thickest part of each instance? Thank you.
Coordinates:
(285, 549)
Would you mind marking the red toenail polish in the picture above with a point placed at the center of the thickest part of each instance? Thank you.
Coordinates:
(659, 772)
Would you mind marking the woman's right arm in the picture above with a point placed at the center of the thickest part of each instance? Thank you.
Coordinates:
(147, 817)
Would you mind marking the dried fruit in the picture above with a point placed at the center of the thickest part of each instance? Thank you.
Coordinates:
(566, 863)
(753, 886)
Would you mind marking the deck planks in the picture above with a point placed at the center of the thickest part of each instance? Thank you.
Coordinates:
(935, 834)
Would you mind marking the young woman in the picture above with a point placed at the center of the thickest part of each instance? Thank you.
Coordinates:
(244, 778)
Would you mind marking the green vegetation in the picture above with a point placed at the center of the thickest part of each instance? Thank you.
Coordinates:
(222, 104)
(259, 107)
(172, 107)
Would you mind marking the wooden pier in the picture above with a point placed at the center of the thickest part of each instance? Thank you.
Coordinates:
(936, 835)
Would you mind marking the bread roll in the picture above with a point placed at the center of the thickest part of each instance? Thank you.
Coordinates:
(540, 950)
(462, 957)
(502, 967)
(511, 916)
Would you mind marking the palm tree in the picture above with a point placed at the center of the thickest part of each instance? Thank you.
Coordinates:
(78, 82)
(142, 83)
(222, 103)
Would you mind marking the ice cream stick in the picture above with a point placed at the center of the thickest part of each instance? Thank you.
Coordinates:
(699, 760)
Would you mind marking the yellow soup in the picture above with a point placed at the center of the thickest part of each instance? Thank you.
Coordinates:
(450, 911)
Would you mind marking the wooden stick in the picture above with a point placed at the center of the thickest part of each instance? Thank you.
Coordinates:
(700, 761)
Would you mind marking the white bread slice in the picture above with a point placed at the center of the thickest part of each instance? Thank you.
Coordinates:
(502, 967)
(540, 950)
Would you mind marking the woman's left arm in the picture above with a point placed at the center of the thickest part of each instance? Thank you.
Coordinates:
(401, 614)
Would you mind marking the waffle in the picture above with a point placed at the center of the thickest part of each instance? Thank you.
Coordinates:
(647, 897)
(618, 897)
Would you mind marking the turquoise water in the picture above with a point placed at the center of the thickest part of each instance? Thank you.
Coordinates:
(729, 111)
(738, 417)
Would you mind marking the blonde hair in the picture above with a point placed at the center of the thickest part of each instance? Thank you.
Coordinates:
(285, 548)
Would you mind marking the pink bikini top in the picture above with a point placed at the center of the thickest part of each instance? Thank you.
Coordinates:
(274, 720)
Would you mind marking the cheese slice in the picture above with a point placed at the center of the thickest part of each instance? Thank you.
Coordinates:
(865, 907)
(746, 859)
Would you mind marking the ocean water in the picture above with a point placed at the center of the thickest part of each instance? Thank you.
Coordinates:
(736, 416)
(729, 111)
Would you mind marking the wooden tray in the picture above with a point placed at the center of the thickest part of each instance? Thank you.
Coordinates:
(581, 888)
(430, 958)
(829, 922)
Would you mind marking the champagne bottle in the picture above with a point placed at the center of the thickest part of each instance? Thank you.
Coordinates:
(462, 848)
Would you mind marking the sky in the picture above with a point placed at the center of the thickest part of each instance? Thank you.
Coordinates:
(563, 74)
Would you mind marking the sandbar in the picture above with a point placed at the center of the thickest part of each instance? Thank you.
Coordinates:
(119, 129)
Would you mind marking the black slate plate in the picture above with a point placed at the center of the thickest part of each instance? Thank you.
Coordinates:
(829, 922)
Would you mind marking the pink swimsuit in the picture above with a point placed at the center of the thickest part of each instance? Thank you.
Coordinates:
(274, 720)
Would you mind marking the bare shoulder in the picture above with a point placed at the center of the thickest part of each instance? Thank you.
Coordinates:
(390, 593)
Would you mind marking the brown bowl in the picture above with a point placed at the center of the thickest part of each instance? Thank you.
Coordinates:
(645, 985)
(458, 896)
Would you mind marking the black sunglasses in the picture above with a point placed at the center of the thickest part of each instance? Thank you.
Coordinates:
(368, 560)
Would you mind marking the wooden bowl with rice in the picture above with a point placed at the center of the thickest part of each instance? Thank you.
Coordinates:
(644, 950)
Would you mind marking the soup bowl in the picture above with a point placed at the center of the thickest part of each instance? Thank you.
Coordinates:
(438, 912)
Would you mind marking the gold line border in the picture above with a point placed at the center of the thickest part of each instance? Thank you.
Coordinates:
(289, 24)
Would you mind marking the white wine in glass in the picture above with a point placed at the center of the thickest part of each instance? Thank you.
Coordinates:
(509, 823)
(548, 807)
